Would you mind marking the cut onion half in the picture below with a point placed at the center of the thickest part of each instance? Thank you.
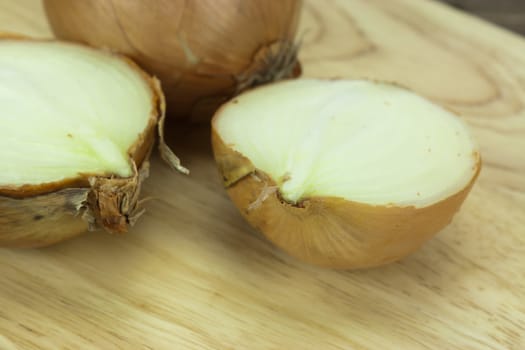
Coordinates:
(76, 129)
(344, 174)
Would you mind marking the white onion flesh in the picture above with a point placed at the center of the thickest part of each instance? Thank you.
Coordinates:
(67, 110)
(362, 141)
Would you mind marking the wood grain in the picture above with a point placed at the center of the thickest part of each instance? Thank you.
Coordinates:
(193, 275)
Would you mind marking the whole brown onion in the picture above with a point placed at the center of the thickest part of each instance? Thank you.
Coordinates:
(203, 51)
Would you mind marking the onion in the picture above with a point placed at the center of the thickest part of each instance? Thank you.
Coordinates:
(344, 174)
(76, 132)
(203, 51)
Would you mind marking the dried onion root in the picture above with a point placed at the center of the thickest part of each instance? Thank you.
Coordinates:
(76, 131)
(344, 174)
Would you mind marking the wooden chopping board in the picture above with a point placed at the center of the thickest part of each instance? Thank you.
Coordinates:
(193, 275)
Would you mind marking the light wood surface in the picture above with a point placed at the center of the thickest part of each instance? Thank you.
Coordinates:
(193, 275)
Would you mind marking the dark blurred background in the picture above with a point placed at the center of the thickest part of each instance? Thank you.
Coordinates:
(506, 13)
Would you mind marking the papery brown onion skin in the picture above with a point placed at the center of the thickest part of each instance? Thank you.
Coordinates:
(203, 51)
(37, 215)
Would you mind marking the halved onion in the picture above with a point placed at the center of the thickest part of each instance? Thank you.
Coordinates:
(76, 129)
(344, 174)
